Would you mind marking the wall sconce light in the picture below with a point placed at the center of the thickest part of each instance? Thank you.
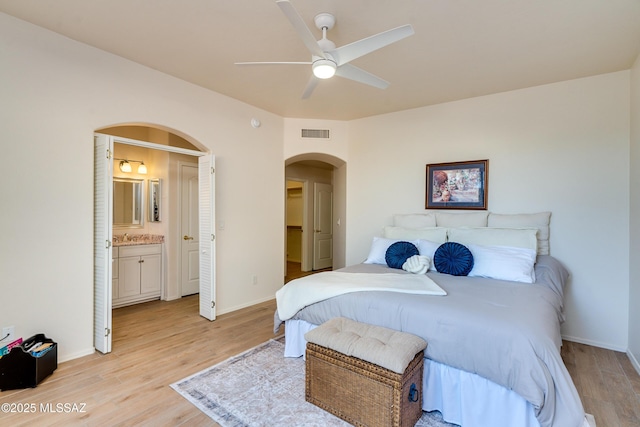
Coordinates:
(125, 166)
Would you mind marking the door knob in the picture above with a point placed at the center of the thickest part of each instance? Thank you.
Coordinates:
(187, 237)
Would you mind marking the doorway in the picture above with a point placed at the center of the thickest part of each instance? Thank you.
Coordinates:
(104, 148)
(309, 218)
(295, 226)
(189, 229)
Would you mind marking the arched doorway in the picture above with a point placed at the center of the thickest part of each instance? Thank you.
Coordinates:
(312, 182)
(161, 151)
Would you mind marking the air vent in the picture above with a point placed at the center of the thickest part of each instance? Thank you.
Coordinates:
(316, 133)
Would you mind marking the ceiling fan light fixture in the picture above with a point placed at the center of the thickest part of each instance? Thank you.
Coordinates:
(324, 68)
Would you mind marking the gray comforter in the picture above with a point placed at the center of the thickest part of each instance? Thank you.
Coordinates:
(507, 332)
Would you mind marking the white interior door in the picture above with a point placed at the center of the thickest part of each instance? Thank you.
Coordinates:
(322, 226)
(102, 219)
(206, 182)
(189, 230)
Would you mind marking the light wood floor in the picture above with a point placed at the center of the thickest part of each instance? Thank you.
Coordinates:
(608, 384)
(154, 345)
(158, 343)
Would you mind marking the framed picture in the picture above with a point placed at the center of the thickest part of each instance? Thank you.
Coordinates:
(458, 185)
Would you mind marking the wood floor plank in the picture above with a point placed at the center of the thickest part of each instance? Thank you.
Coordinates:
(629, 371)
(603, 412)
(158, 343)
(623, 398)
(607, 360)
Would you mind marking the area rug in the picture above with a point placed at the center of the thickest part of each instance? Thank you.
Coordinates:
(260, 387)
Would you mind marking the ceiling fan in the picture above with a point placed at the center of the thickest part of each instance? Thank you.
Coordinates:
(326, 59)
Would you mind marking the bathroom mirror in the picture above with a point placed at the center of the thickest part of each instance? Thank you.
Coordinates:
(155, 196)
(127, 202)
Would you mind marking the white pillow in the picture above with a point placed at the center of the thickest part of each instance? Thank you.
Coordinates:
(415, 220)
(379, 248)
(487, 236)
(467, 219)
(435, 234)
(503, 263)
(428, 248)
(538, 220)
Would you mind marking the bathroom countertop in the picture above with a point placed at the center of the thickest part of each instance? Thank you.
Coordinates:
(137, 239)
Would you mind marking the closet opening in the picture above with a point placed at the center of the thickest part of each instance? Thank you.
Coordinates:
(314, 197)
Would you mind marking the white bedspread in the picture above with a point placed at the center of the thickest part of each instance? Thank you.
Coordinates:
(299, 293)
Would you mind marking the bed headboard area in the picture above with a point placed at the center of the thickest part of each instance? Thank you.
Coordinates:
(485, 244)
(468, 225)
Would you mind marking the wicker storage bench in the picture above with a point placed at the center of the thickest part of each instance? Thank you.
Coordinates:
(367, 375)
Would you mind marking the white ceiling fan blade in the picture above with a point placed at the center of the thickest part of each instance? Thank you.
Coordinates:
(301, 28)
(351, 51)
(352, 72)
(311, 85)
(273, 63)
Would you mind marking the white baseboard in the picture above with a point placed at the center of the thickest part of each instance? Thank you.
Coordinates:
(249, 304)
(634, 361)
(77, 354)
(592, 343)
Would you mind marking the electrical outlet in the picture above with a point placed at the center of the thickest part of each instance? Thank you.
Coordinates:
(255, 280)
(11, 330)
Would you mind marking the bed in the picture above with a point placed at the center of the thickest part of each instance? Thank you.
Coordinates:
(493, 354)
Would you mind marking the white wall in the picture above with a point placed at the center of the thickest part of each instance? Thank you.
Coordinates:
(634, 223)
(561, 148)
(56, 92)
(333, 151)
(294, 144)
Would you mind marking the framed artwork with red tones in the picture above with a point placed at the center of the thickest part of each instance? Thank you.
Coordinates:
(457, 185)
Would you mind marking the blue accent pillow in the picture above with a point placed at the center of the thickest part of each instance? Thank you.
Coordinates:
(399, 252)
(453, 258)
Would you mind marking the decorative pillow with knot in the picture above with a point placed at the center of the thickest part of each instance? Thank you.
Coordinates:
(453, 258)
(399, 252)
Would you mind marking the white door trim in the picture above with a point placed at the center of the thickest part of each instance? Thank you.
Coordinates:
(154, 146)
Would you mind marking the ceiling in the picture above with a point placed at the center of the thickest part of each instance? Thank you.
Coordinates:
(460, 49)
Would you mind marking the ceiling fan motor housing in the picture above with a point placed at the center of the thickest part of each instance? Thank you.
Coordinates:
(324, 20)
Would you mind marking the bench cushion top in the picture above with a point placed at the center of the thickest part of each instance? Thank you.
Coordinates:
(381, 346)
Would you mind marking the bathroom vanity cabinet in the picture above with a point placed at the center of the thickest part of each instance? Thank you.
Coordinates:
(137, 274)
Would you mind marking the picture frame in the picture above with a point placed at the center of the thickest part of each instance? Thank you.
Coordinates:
(457, 185)
(155, 199)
